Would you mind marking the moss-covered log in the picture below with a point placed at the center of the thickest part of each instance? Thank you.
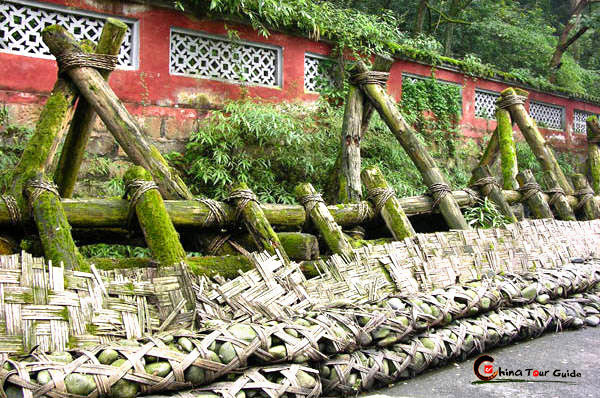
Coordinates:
(382, 63)
(491, 153)
(535, 139)
(256, 222)
(536, 201)
(323, 220)
(84, 119)
(52, 225)
(593, 139)
(586, 197)
(159, 232)
(508, 153)
(417, 151)
(558, 199)
(385, 200)
(492, 191)
(115, 116)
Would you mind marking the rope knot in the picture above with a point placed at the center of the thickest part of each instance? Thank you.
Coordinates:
(38, 187)
(528, 190)
(69, 60)
(242, 197)
(370, 77)
(216, 212)
(135, 189)
(310, 201)
(506, 101)
(555, 194)
(438, 191)
(473, 196)
(13, 209)
(379, 197)
(585, 195)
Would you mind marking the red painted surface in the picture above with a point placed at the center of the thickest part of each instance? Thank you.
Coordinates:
(152, 91)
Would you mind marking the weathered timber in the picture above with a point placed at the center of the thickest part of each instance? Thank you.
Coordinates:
(153, 219)
(84, 118)
(349, 177)
(323, 220)
(491, 153)
(407, 137)
(256, 222)
(558, 199)
(41, 147)
(508, 153)
(117, 119)
(536, 141)
(298, 246)
(491, 190)
(586, 197)
(52, 225)
(382, 63)
(385, 201)
(535, 198)
(593, 139)
(8, 245)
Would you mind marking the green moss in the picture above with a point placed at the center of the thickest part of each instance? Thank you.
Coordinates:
(91, 328)
(226, 266)
(508, 153)
(592, 119)
(109, 264)
(64, 314)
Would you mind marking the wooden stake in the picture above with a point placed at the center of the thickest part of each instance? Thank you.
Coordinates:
(593, 138)
(487, 186)
(532, 191)
(558, 199)
(586, 197)
(350, 186)
(116, 118)
(256, 222)
(323, 220)
(387, 204)
(159, 232)
(407, 137)
(536, 141)
(53, 228)
(84, 119)
(508, 154)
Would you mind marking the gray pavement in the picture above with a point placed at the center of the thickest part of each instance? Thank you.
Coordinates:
(577, 350)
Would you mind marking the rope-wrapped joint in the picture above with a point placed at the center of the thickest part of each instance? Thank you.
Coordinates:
(438, 191)
(506, 101)
(38, 187)
(241, 197)
(134, 190)
(485, 185)
(216, 212)
(103, 62)
(310, 201)
(13, 209)
(555, 195)
(379, 197)
(584, 195)
(528, 190)
(473, 196)
(370, 77)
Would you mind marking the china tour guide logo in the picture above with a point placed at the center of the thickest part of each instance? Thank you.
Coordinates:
(486, 373)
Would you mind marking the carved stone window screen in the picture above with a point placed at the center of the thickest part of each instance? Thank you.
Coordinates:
(216, 57)
(22, 22)
(547, 116)
(579, 118)
(319, 72)
(485, 103)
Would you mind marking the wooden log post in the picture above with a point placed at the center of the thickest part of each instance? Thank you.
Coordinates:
(146, 203)
(84, 119)
(248, 209)
(386, 203)
(586, 197)
(508, 154)
(52, 225)
(417, 151)
(593, 139)
(491, 153)
(117, 119)
(323, 220)
(514, 102)
(488, 187)
(558, 199)
(532, 195)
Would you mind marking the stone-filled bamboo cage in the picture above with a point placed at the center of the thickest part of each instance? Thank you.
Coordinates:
(299, 300)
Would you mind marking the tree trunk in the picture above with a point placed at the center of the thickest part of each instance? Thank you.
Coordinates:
(536, 202)
(116, 118)
(586, 197)
(159, 232)
(420, 20)
(323, 221)
(258, 225)
(350, 187)
(84, 119)
(557, 200)
(494, 192)
(593, 138)
(391, 211)
(537, 143)
(54, 229)
(414, 147)
(508, 154)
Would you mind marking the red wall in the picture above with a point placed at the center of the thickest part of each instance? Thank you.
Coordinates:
(150, 91)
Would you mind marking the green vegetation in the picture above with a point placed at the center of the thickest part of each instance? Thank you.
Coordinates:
(485, 215)
(114, 251)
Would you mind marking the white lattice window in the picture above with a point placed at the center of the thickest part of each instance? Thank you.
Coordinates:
(318, 72)
(546, 115)
(579, 118)
(22, 22)
(216, 57)
(485, 104)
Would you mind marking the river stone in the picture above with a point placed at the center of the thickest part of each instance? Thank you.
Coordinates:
(227, 352)
(108, 356)
(44, 377)
(242, 331)
(79, 384)
(160, 369)
(194, 375)
(124, 389)
(14, 392)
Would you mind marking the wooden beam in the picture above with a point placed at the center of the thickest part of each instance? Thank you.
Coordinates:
(533, 194)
